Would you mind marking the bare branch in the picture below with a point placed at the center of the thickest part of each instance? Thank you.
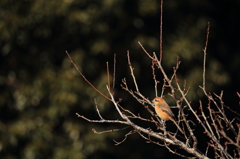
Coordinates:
(160, 38)
(114, 71)
(132, 74)
(108, 75)
(112, 130)
(154, 78)
(145, 51)
(130, 133)
(204, 57)
(97, 109)
(85, 77)
(102, 121)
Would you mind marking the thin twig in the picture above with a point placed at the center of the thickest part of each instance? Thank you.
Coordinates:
(160, 38)
(114, 71)
(126, 135)
(111, 130)
(205, 119)
(204, 57)
(154, 78)
(108, 75)
(85, 77)
(145, 51)
(131, 69)
(102, 121)
(95, 101)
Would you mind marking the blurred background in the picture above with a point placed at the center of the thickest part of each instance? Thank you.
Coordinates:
(40, 90)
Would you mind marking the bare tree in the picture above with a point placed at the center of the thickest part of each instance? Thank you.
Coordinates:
(211, 117)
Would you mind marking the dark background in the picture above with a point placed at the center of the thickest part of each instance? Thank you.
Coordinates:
(40, 90)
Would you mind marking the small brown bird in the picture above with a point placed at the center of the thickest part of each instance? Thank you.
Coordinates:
(163, 111)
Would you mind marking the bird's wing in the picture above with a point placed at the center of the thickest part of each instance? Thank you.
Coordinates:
(169, 112)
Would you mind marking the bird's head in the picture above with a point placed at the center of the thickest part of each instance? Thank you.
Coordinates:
(158, 101)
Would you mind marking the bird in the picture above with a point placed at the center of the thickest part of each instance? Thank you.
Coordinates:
(163, 111)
